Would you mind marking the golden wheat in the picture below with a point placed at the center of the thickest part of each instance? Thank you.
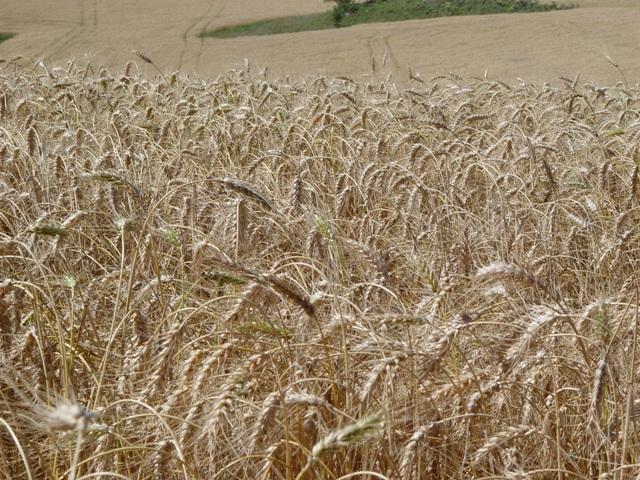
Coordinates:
(245, 277)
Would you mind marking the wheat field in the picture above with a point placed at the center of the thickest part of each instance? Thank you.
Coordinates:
(104, 33)
(249, 277)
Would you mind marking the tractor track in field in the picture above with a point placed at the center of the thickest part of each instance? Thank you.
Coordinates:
(390, 53)
(216, 16)
(556, 43)
(87, 23)
(192, 26)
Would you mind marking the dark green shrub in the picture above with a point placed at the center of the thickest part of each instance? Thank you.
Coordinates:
(342, 9)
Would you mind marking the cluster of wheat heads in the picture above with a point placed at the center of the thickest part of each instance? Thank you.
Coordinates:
(251, 278)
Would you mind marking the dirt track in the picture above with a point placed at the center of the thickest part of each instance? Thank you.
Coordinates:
(538, 46)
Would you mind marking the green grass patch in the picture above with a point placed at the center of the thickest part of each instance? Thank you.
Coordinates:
(5, 36)
(297, 23)
(346, 14)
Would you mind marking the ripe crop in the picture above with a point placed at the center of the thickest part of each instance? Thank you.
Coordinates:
(254, 278)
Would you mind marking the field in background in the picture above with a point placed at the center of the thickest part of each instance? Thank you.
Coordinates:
(356, 13)
(250, 278)
(556, 43)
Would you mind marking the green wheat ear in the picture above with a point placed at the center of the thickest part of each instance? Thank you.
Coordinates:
(266, 329)
(357, 432)
(224, 278)
(48, 229)
(171, 236)
(354, 433)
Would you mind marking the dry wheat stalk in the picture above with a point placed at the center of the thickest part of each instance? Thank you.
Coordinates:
(501, 440)
(170, 239)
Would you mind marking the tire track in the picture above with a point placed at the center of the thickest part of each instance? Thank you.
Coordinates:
(87, 26)
(390, 53)
(66, 38)
(371, 53)
(191, 27)
(204, 28)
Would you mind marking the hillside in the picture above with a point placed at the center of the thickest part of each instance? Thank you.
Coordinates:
(555, 43)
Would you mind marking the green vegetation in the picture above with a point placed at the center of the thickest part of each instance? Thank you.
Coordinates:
(347, 13)
(298, 23)
(5, 36)
(397, 10)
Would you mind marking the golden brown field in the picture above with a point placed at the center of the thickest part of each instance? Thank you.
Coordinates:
(254, 278)
(537, 47)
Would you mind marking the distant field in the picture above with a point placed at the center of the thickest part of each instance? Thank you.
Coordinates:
(356, 13)
(557, 43)
(5, 36)
(246, 278)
